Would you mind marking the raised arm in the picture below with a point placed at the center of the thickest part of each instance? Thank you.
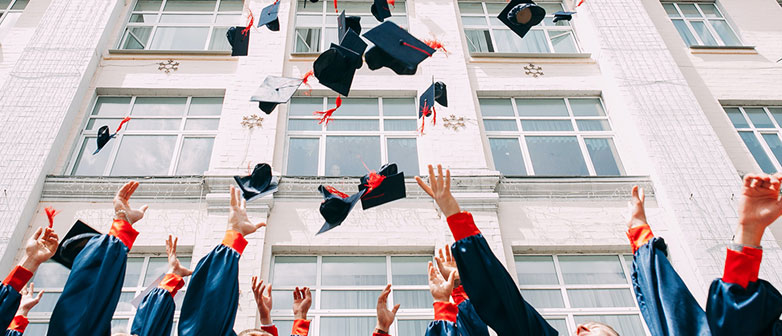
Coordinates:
(20, 321)
(467, 321)
(485, 280)
(302, 301)
(445, 311)
(385, 317)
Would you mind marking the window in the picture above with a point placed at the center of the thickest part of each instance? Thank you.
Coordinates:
(316, 23)
(181, 24)
(167, 136)
(364, 131)
(10, 10)
(486, 33)
(701, 24)
(572, 289)
(759, 127)
(345, 291)
(142, 271)
(550, 137)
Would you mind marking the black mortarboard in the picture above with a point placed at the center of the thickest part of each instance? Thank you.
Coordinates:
(103, 138)
(258, 184)
(562, 15)
(390, 188)
(275, 90)
(380, 10)
(440, 94)
(526, 10)
(401, 52)
(336, 206)
(336, 67)
(73, 242)
(269, 17)
(238, 40)
(347, 22)
(435, 93)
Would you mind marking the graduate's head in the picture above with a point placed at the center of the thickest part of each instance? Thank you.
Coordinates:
(595, 329)
(254, 332)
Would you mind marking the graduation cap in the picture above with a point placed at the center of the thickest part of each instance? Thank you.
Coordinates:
(336, 67)
(396, 49)
(73, 242)
(380, 10)
(382, 187)
(521, 15)
(562, 15)
(275, 90)
(347, 22)
(427, 100)
(258, 184)
(336, 206)
(440, 94)
(269, 16)
(239, 38)
(104, 136)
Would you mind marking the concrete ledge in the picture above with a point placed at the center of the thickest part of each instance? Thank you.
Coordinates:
(529, 55)
(591, 187)
(172, 53)
(744, 50)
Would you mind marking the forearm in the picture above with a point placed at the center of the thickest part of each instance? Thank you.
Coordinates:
(749, 235)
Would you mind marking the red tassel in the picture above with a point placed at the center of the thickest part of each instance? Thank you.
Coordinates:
(374, 181)
(246, 30)
(417, 48)
(435, 44)
(305, 80)
(50, 213)
(335, 7)
(579, 3)
(326, 116)
(392, 3)
(122, 123)
(427, 111)
(336, 192)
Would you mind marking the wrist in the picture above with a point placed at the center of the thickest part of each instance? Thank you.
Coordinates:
(382, 329)
(29, 263)
(266, 320)
(121, 214)
(22, 312)
(748, 235)
(300, 316)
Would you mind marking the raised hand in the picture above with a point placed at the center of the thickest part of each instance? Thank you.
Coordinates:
(263, 300)
(440, 287)
(122, 208)
(760, 206)
(237, 216)
(174, 266)
(28, 300)
(439, 189)
(447, 264)
(637, 212)
(385, 317)
(302, 301)
(39, 248)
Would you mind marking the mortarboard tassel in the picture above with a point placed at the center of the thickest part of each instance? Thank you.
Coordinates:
(246, 30)
(392, 3)
(50, 213)
(335, 7)
(373, 181)
(435, 44)
(336, 192)
(120, 124)
(326, 116)
(305, 80)
(426, 112)
(579, 3)
(417, 48)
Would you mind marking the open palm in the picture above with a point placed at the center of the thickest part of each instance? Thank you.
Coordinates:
(121, 203)
(761, 204)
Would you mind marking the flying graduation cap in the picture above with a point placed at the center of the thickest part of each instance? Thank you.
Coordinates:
(563, 16)
(104, 136)
(521, 15)
(347, 22)
(73, 242)
(336, 67)
(382, 187)
(239, 39)
(275, 90)
(380, 10)
(269, 16)
(336, 206)
(436, 93)
(396, 49)
(258, 184)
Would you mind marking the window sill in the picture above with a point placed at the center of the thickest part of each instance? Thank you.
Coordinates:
(697, 49)
(308, 56)
(217, 54)
(530, 55)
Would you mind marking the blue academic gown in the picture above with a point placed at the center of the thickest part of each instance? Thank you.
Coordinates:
(9, 293)
(94, 285)
(468, 323)
(155, 314)
(497, 300)
(444, 323)
(210, 304)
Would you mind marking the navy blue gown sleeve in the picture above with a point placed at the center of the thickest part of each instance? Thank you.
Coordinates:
(9, 293)
(491, 289)
(444, 323)
(211, 300)
(468, 323)
(740, 303)
(94, 285)
(17, 327)
(155, 314)
(666, 304)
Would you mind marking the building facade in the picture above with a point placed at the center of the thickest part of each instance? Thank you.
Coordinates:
(544, 137)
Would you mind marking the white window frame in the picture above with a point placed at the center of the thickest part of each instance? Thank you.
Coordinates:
(324, 132)
(714, 34)
(4, 11)
(521, 134)
(315, 313)
(758, 132)
(158, 15)
(493, 18)
(181, 133)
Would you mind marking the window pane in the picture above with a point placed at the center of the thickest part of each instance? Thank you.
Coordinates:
(536, 270)
(231, 5)
(478, 40)
(180, 38)
(412, 299)
(304, 125)
(195, 155)
(776, 112)
(499, 125)
(154, 124)
(760, 155)
(349, 299)
(542, 107)
(550, 7)
(703, 33)
(190, 5)
(148, 5)
(92, 165)
(546, 125)
(563, 41)
(111, 106)
(357, 107)
(494, 8)
(201, 124)
(689, 10)
(409, 270)
(353, 125)
(507, 156)
(399, 107)
(725, 32)
(47, 303)
(470, 8)
(671, 10)
(51, 275)
(604, 156)
(591, 270)
(593, 125)
(534, 42)
(303, 7)
(228, 19)
(294, 271)
(759, 117)
(346, 271)
(600, 298)
(405, 153)
(347, 155)
(156, 267)
(685, 33)
(219, 42)
(133, 272)
(205, 106)
(186, 18)
(496, 107)
(737, 118)
(96, 123)
(136, 37)
(303, 157)
(474, 21)
(305, 106)
(282, 325)
(772, 140)
(347, 325)
(543, 298)
(556, 156)
(400, 125)
(144, 155)
(307, 39)
(283, 300)
(559, 324)
(154, 106)
(590, 107)
(710, 10)
(119, 326)
(124, 304)
(412, 327)
(625, 325)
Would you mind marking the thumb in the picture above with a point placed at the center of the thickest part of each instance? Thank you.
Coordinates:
(451, 279)
(393, 311)
(144, 208)
(260, 225)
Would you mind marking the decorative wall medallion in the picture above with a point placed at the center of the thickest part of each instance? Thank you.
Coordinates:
(168, 66)
(252, 121)
(453, 122)
(533, 70)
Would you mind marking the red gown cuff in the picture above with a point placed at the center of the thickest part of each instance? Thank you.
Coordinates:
(445, 311)
(741, 268)
(377, 334)
(18, 278)
(124, 232)
(301, 327)
(172, 283)
(272, 329)
(19, 323)
(639, 236)
(462, 225)
(459, 295)
(235, 240)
